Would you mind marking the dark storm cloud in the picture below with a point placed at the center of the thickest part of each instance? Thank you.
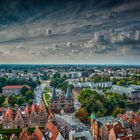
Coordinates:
(68, 28)
(19, 10)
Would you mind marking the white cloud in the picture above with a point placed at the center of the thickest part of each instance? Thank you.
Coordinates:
(20, 47)
(69, 44)
(5, 53)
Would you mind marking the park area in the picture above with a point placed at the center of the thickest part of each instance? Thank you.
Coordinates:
(46, 96)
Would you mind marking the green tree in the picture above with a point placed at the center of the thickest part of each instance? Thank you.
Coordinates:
(45, 76)
(118, 111)
(114, 81)
(5, 137)
(101, 104)
(100, 107)
(29, 94)
(12, 100)
(2, 99)
(91, 100)
(121, 82)
(23, 90)
(64, 86)
(20, 101)
(56, 75)
(38, 82)
(59, 81)
(32, 83)
(99, 114)
(82, 115)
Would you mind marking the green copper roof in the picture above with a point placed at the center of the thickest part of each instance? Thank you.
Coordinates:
(92, 116)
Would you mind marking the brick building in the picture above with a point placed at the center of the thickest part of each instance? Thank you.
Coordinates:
(62, 103)
(110, 128)
(13, 89)
(36, 135)
(51, 132)
(133, 119)
(33, 116)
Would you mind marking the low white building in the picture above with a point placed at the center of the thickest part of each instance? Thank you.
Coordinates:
(75, 75)
(132, 92)
(92, 84)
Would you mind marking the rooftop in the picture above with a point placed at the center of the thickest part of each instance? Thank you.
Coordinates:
(15, 87)
(106, 119)
(53, 129)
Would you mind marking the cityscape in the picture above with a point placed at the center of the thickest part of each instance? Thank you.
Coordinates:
(69, 69)
(69, 102)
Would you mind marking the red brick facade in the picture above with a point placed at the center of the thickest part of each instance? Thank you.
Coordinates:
(33, 116)
(110, 129)
(62, 103)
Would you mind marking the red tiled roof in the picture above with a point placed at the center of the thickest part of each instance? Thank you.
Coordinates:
(33, 108)
(24, 135)
(109, 127)
(53, 129)
(40, 107)
(18, 114)
(1, 108)
(26, 109)
(38, 134)
(16, 87)
(8, 112)
(127, 117)
(120, 131)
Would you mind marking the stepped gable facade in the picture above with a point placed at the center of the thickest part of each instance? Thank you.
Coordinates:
(33, 116)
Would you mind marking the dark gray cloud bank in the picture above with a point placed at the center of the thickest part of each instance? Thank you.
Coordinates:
(70, 31)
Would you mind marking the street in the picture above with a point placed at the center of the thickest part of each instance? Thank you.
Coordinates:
(38, 93)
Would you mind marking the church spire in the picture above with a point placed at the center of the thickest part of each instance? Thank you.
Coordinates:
(69, 93)
(54, 95)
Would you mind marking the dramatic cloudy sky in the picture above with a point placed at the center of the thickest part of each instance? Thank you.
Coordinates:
(70, 31)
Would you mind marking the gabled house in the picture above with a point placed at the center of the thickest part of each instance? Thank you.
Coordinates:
(52, 132)
(18, 121)
(7, 121)
(33, 116)
(38, 135)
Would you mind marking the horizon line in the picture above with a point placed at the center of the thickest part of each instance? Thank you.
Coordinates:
(67, 64)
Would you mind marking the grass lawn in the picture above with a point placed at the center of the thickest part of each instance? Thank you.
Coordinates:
(47, 98)
(11, 131)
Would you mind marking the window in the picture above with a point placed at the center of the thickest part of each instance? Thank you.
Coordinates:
(62, 105)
